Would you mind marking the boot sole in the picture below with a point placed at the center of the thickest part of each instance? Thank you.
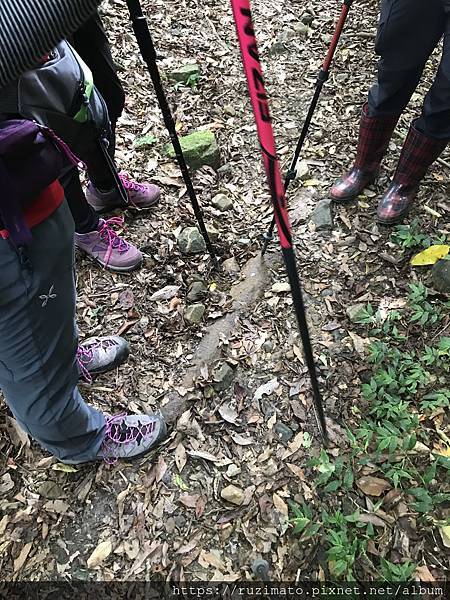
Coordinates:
(128, 269)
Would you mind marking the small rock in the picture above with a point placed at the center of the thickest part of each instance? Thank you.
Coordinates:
(174, 408)
(322, 217)
(230, 110)
(268, 346)
(441, 276)
(280, 287)
(306, 19)
(185, 73)
(50, 490)
(223, 377)
(302, 170)
(197, 291)
(213, 233)
(233, 470)
(355, 312)
(194, 313)
(302, 28)
(190, 241)
(278, 48)
(199, 148)
(222, 202)
(231, 266)
(233, 494)
(225, 169)
(284, 432)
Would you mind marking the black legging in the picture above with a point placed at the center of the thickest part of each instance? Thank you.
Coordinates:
(408, 33)
(91, 43)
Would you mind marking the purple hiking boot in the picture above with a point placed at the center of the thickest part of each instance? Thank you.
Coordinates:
(140, 196)
(129, 436)
(108, 248)
(98, 355)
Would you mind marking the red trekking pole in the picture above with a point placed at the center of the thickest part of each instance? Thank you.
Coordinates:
(258, 97)
(321, 79)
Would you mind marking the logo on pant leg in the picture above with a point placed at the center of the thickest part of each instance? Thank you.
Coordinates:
(47, 297)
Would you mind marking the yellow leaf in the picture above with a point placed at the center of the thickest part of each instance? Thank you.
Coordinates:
(445, 535)
(100, 554)
(430, 256)
(311, 182)
(63, 467)
(444, 452)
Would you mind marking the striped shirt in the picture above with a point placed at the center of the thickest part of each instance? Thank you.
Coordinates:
(31, 28)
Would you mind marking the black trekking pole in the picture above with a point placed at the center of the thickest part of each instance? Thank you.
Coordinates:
(147, 49)
(321, 79)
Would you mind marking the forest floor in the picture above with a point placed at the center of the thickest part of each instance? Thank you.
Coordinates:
(373, 505)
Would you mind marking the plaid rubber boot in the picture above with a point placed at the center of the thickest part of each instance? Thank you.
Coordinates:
(418, 153)
(374, 136)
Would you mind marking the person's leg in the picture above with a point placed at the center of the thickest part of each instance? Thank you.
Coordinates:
(38, 346)
(434, 121)
(408, 32)
(426, 140)
(91, 43)
(38, 343)
(84, 216)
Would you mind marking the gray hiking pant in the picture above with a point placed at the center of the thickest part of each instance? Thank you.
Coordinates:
(38, 342)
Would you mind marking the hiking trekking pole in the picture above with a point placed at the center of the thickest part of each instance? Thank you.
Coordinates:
(258, 97)
(321, 79)
(147, 49)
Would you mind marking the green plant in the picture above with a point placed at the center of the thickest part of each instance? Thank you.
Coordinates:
(422, 311)
(401, 572)
(302, 521)
(410, 236)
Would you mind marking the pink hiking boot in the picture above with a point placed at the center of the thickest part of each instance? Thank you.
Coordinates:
(140, 196)
(108, 248)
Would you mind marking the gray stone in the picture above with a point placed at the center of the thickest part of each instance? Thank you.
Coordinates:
(197, 291)
(213, 233)
(190, 241)
(233, 494)
(230, 110)
(194, 313)
(185, 73)
(322, 216)
(223, 377)
(199, 148)
(302, 28)
(233, 470)
(284, 432)
(355, 312)
(302, 170)
(268, 346)
(231, 266)
(222, 202)
(174, 407)
(441, 276)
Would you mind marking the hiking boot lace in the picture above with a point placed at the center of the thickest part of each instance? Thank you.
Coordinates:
(132, 186)
(110, 237)
(85, 355)
(118, 433)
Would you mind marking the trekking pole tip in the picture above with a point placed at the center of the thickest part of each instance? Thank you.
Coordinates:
(261, 568)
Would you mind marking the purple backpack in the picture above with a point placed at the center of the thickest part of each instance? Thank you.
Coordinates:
(31, 158)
